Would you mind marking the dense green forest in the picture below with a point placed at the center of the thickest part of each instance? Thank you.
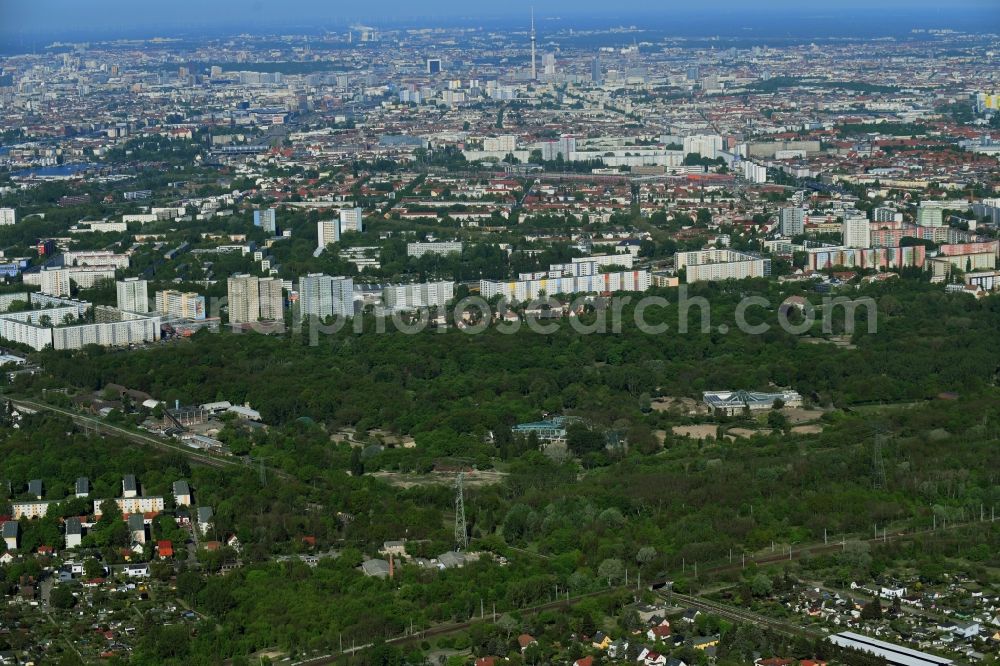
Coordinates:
(926, 342)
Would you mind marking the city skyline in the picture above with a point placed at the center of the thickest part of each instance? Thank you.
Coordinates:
(23, 19)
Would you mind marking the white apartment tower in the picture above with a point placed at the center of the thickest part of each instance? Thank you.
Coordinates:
(929, 215)
(184, 305)
(324, 296)
(133, 295)
(351, 219)
(327, 231)
(792, 221)
(55, 282)
(244, 298)
(272, 301)
(856, 230)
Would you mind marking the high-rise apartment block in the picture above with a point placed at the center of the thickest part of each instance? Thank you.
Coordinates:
(792, 221)
(327, 231)
(133, 295)
(856, 230)
(183, 305)
(272, 301)
(244, 298)
(267, 219)
(324, 296)
(351, 219)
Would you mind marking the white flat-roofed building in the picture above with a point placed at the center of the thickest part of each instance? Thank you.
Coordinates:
(531, 289)
(7, 299)
(327, 232)
(272, 299)
(180, 304)
(29, 509)
(440, 247)
(133, 295)
(54, 281)
(244, 298)
(895, 655)
(930, 215)
(132, 329)
(95, 258)
(721, 264)
(326, 296)
(792, 221)
(7, 216)
(352, 219)
(856, 230)
(130, 505)
(423, 295)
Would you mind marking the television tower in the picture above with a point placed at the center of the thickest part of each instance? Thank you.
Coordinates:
(534, 71)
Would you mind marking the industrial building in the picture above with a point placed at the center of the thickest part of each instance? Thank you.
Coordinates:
(733, 403)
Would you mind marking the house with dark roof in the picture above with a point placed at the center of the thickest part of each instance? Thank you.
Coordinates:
(130, 488)
(137, 528)
(74, 532)
(182, 493)
(11, 534)
(205, 516)
(82, 487)
(35, 488)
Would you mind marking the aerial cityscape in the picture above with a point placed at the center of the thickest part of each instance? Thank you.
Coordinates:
(457, 335)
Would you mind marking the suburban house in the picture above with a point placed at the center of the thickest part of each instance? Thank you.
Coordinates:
(74, 532)
(129, 487)
(705, 642)
(137, 570)
(11, 534)
(651, 658)
(397, 548)
(137, 528)
(659, 632)
(182, 493)
(601, 641)
(82, 487)
(35, 488)
(205, 516)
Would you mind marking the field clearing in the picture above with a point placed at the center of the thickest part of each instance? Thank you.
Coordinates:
(814, 429)
(796, 415)
(476, 478)
(688, 406)
(696, 431)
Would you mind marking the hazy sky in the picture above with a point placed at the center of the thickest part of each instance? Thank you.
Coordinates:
(20, 17)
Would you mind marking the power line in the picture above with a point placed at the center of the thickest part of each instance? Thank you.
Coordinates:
(461, 536)
(878, 463)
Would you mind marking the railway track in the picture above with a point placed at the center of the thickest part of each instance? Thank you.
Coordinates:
(163, 444)
(741, 615)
